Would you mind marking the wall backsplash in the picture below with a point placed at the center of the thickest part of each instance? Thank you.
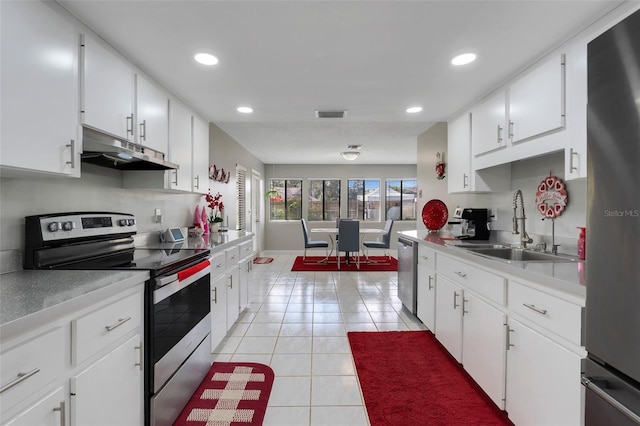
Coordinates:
(99, 189)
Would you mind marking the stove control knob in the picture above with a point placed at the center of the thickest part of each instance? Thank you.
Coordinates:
(131, 222)
(53, 227)
(122, 222)
(68, 226)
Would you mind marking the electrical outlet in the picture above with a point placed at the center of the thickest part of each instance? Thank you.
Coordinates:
(158, 216)
(493, 213)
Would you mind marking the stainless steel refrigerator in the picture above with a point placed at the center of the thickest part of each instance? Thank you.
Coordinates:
(612, 327)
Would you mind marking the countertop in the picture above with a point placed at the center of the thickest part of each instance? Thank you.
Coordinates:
(215, 242)
(31, 298)
(562, 278)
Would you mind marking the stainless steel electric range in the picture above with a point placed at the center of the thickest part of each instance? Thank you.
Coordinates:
(177, 307)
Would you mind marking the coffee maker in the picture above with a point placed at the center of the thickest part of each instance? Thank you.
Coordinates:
(475, 223)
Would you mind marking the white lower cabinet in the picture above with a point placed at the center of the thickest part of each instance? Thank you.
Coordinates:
(483, 346)
(109, 391)
(233, 296)
(449, 316)
(543, 380)
(218, 309)
(49, 411)
(426, 296)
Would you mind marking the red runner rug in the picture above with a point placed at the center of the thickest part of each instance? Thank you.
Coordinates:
(382, 264)
(232, 394)
(408, 378)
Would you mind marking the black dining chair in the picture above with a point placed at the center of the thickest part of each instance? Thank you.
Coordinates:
(312, 244)
(384, 243)
(349, 242)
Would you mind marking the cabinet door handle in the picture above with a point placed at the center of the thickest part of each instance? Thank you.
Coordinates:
(72, 152)
(499, 135)
(455, 300)
(62, 413)
(430, 281)
(535, 308)
(511, 130)
(143, 130)
(130, 124)
(465, 180)
(21, 378)
(197, 184)
(215, 295)
(118, 324)
(572, 168)
(460, 274)
(464, 306)
(508, 337)
(231, 282)
(140, 362)
(175, 182)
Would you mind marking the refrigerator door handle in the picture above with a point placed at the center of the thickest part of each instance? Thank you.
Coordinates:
(592, 386)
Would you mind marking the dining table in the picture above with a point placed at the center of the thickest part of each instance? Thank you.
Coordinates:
(334, 231)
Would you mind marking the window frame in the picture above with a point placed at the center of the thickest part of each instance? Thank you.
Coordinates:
(386, 196)
(376, 212)
(325, 215)
(285, 197)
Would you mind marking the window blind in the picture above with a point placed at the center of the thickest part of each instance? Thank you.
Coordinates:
(241, 198)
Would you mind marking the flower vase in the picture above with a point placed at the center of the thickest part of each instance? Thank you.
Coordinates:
(214, 227)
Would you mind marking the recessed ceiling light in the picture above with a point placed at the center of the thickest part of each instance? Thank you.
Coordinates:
(414, 109)
(350, 155)
(245, 109)
(206, 59)
(464, 59)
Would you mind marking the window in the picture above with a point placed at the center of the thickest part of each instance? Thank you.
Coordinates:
(241, 198)
(364, 199)
(285, 199)
(324, 199)
(401, 199)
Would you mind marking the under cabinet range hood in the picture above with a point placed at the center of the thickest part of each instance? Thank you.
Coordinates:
(110, 151)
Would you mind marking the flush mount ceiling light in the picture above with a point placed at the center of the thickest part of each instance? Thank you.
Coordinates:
(350, 155)
(414, 109)
(205, 59)
(245, 109)
(463, 59)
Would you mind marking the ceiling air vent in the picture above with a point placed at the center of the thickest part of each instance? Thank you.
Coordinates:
(331, 114)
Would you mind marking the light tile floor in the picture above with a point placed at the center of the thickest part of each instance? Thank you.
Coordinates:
(297, 322)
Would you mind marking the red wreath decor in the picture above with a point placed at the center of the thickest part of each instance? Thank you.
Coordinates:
(552, 197)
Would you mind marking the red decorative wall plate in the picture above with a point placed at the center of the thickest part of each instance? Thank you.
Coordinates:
(552, 197)
(435, 214)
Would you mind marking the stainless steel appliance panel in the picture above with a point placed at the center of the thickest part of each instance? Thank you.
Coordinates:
(613, 224)
(407, 282)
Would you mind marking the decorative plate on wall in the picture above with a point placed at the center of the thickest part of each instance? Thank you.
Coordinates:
(435, 214)
(551, 197)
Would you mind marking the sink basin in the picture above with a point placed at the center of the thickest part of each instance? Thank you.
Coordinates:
(519, 255)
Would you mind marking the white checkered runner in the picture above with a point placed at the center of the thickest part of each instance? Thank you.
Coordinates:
(226, 409)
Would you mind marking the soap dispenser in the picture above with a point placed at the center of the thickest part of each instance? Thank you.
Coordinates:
(582, 242)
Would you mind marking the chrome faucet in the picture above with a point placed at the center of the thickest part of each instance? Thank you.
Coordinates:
(524, 237)
(554, 246)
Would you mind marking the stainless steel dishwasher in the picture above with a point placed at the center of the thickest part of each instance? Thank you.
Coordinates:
(407, 282)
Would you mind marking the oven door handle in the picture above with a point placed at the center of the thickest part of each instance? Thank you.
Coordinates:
(172, 283)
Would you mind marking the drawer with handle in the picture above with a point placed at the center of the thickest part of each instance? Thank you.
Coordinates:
(27, 369)
(100, 328)
(246, 249)
(218, 264)
(557, 315)
(487, 284)
(233, 257)
(426, 257)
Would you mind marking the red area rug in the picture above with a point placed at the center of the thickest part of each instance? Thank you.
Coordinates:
(382, 264)
(232, 394)
(262, 260)
(408, 378)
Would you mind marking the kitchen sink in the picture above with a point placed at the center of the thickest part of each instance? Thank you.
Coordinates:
(517, 254)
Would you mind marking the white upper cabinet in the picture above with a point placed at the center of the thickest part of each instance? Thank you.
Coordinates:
(488, 125)
(459, 145)
(39, 129)
(200, 155)
(152, 115)
(108, 90)
(180, 146)
(537, 101)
